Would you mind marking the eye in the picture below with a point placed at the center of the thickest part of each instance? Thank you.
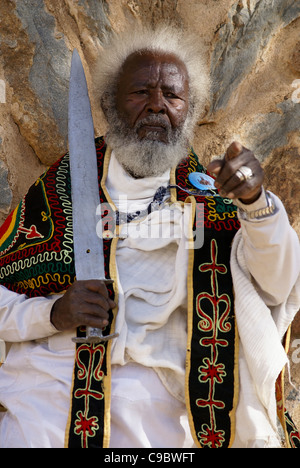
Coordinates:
(141, 91)
(171, 95)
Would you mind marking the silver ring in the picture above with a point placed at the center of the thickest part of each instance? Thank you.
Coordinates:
(244, 173)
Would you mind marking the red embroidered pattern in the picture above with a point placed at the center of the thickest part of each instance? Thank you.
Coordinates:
(212, 371)
(89, 360)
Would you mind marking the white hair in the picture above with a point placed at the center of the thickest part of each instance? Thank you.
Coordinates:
(164, 40)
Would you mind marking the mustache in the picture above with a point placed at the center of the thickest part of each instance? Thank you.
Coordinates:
(155, 119)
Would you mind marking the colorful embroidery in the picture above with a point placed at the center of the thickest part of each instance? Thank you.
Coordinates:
(213, 310)
(36, 258)
(211, 361)
(293, 433)
(89, 373)
(212, 378)
(36, 253)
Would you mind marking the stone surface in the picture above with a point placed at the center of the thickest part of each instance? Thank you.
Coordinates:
(6, 193)
(252, 49)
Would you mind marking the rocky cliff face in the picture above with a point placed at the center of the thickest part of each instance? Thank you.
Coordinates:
(252, 47)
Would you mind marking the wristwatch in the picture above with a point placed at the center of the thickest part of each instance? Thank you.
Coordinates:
(268, 210)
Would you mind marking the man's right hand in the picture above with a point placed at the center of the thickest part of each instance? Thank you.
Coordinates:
(84, 303)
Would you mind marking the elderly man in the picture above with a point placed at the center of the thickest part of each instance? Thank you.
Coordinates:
(184, 371)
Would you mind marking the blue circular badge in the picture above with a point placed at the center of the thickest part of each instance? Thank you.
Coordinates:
(202, 181)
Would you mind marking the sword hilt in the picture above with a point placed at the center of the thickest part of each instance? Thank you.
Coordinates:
(95, 335)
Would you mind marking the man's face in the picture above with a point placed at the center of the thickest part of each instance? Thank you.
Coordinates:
(150, 126)
(153, 95)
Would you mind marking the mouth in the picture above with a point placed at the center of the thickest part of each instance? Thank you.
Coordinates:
(153, 133)
(153, 128)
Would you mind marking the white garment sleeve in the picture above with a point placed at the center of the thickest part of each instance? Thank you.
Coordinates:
(23, 318)
(271, 249)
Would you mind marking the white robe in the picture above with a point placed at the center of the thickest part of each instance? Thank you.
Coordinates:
(148, 358)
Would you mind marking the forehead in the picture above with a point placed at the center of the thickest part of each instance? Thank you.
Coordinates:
(145, 66)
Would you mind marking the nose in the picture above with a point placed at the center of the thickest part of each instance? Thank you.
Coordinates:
(156, 104)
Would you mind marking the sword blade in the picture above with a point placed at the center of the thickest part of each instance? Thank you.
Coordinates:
(88, 246)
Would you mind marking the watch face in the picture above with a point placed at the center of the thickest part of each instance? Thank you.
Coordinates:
(202, 181)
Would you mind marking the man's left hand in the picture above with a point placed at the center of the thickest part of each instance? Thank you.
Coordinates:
(228, 182)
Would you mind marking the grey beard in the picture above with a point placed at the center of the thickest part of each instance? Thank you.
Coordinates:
(148, 157)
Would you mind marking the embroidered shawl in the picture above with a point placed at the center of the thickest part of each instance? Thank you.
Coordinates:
(36, 258)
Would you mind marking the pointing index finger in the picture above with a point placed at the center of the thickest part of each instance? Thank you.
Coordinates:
(233, 150)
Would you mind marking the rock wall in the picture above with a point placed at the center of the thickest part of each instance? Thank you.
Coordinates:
(252, 48)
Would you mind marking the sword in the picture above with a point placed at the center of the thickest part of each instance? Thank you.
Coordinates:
(88, 246)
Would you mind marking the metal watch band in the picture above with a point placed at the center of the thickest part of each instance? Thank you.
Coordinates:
(269, 210)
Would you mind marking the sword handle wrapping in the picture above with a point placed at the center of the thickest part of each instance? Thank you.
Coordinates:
(95, 335)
